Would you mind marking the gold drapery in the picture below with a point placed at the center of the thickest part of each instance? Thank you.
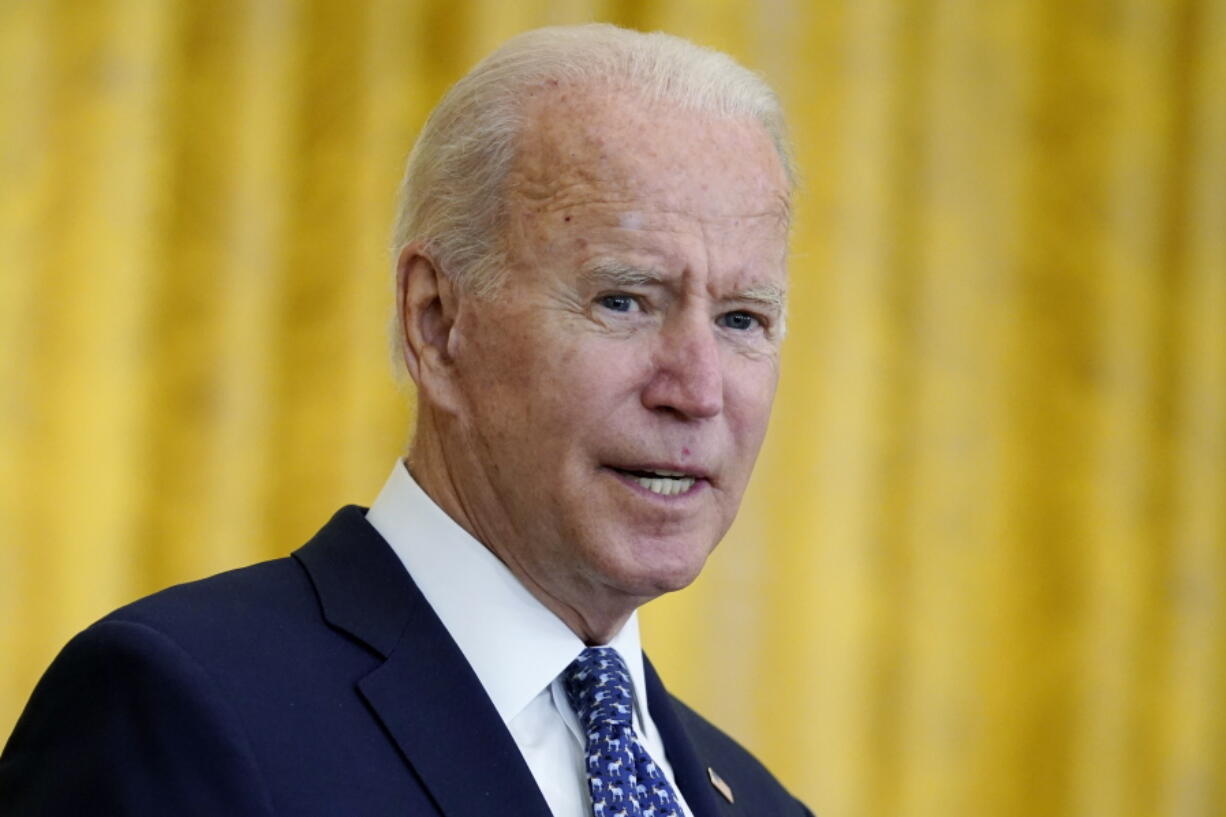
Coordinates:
(982, 570)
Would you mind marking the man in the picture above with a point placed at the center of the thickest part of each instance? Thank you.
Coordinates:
(591, 278)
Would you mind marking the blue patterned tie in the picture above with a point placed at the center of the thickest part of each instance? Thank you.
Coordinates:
(622, 778)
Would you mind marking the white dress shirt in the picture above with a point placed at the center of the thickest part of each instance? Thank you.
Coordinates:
(517, 646)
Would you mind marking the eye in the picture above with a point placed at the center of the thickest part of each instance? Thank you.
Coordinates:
(618, 302)
(741, 321)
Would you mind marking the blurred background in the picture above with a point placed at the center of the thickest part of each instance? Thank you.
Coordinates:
(982, 569)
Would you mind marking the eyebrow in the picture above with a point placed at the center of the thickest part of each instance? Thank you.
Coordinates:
(620, 274)
(771, 296)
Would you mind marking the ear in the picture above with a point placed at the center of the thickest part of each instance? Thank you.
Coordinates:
(427, 303)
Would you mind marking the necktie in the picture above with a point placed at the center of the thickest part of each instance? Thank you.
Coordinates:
(621, 776)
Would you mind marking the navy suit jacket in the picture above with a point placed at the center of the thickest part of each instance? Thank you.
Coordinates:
(321, 684)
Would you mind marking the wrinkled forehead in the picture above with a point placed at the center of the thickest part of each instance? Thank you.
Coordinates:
(602, 141)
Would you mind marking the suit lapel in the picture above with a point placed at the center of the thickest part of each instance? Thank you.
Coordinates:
(424, 693)
(689, 770)
(452, 735)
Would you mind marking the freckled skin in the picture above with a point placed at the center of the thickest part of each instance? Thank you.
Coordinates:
(552, 381)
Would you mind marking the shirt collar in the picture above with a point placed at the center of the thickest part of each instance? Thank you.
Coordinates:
(515, 644)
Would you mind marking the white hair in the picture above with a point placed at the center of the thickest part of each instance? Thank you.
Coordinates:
(452, 198)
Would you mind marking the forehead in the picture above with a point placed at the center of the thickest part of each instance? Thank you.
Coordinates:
(588, 144)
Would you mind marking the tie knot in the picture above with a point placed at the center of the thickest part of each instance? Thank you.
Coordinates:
(598, 687)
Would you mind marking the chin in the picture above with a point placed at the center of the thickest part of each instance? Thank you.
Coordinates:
(658, 570)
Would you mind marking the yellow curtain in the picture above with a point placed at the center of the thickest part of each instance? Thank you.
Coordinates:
(982, 570)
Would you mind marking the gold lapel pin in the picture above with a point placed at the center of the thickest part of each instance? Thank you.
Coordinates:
(719, 784)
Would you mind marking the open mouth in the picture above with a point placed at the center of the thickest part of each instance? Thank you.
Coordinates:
(664, 483)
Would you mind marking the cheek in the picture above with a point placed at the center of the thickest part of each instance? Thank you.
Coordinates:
(751, 393)
(592, 391)
(598, 370)
(555, 369)
(495, 367)
(535, 391)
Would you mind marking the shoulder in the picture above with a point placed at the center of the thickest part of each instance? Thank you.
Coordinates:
(265, 619)
(199, 699)
(231, 607)
(751, 783)
(205, 639)
(259, 634)
(130, 715)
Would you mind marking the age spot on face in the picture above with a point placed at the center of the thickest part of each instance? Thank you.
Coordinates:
(632, 220)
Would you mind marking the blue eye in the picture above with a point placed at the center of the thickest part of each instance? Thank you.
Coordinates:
(741, 321)
(617, 303)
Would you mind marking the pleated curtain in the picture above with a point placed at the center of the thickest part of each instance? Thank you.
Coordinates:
(982, 566)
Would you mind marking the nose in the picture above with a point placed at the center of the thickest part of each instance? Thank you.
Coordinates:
(687, 376)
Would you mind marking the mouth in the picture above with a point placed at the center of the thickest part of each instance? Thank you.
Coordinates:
(660, 481)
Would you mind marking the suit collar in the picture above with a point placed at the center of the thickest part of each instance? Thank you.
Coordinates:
(688, 769)
(365, 591)
(362, 587)
(514, 643)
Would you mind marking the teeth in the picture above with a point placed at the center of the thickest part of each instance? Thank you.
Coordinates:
(667, 486)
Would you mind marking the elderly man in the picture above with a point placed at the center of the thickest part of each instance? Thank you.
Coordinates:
(591, 276)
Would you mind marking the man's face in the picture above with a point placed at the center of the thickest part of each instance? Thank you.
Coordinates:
(614, 394)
